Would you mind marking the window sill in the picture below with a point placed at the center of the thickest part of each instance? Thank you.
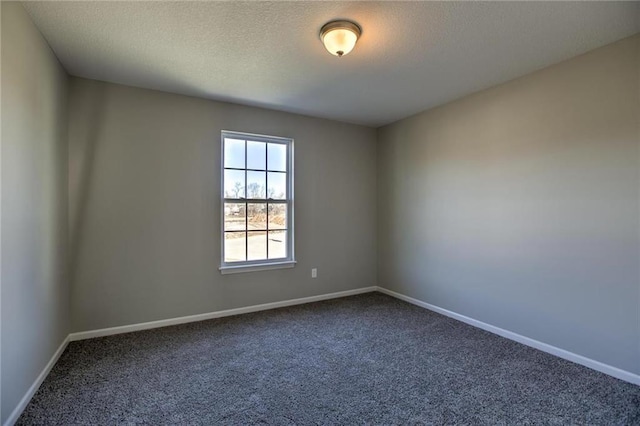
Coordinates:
(257, 267)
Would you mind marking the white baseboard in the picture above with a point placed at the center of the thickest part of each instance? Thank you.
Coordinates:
(211, 315)
(13, 417)
(570, 356)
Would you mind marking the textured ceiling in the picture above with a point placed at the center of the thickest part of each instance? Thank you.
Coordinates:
(411, 56)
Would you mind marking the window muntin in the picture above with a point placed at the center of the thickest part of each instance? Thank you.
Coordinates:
(257, 200)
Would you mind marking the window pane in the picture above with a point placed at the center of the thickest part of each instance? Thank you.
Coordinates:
(235, 247)
(257, 191)
(256, 184)
(256, 155)
(277, 244)
(234, 184)
(257, 245)
(277, 216)
(277, 185)
(234, 153)
(234, 217)
(277, 155)
(257, 216)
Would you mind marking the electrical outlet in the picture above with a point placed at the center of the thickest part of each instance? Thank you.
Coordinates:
(314, 273)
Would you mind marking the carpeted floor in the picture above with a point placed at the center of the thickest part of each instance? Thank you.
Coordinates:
(367, 359)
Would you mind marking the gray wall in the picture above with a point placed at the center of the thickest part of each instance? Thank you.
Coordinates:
(145, 208)
(35, 294)
(519, 206)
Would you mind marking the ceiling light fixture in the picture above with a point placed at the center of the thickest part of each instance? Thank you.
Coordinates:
(340, 37)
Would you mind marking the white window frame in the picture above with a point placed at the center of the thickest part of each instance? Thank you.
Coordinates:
(265, 264)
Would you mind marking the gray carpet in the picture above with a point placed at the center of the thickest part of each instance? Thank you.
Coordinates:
(367, 359)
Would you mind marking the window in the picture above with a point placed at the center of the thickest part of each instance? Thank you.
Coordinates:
(257, 202)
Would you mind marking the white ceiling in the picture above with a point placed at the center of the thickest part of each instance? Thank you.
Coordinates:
(411, 56)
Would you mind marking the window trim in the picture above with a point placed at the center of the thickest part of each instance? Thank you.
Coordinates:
(264, 264)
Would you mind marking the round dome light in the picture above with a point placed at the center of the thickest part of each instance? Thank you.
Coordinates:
(340, 37)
